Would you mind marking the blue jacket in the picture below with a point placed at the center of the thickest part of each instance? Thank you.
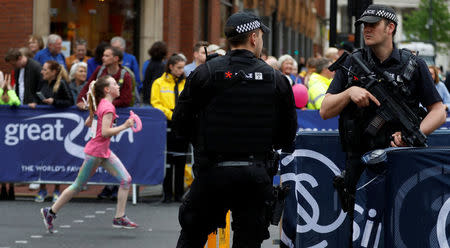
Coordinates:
(44, 55)
(130, 61)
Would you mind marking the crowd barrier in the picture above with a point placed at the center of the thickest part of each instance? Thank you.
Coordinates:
(404, 204)
(46, 145)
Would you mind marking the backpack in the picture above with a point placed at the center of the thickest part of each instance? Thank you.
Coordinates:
(135, 98)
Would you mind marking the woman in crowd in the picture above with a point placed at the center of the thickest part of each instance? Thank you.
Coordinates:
(165, 92)
(440, 86)
(55, 92)
(155, 68)
(35, 44)
(77, 77)
(97, 153)
(286, 64)
(96, 61)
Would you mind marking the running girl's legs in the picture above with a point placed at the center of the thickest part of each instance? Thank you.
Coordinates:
(88, 168)
(115, 167)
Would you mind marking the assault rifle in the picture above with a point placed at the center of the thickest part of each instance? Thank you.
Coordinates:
(392, 106)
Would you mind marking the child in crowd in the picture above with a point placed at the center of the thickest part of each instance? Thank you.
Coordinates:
(97, 153)
(7, 97)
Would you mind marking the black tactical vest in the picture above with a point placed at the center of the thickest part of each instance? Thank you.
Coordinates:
(238, 121)
(353, 121)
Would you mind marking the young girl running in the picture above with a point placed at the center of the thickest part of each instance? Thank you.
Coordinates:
(97, 153)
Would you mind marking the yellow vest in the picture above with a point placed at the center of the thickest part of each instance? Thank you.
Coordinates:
(318, 86)
(163, 94)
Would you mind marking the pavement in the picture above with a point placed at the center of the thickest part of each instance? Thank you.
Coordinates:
(87, 222)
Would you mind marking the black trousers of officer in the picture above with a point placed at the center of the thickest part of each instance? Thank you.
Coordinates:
(215, 190)
(176, 163)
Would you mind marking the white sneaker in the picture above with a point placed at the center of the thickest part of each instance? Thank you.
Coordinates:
(34, 186)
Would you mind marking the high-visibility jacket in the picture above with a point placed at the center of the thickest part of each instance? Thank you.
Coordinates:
(13, 98)
(318, 86)
(163, 93)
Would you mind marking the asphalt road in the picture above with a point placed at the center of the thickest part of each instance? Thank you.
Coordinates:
(85, 223)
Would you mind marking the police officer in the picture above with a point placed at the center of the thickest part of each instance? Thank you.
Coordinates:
(235, 109)
(356, 106)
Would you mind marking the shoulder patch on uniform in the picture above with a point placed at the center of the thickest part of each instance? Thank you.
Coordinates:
(258, 76)
(228, 74)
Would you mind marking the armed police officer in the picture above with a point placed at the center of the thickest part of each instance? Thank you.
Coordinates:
(357, 107)
(236, 110)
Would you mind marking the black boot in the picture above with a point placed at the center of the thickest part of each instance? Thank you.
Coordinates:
(3, 194)
(345, 197)
(11, 195)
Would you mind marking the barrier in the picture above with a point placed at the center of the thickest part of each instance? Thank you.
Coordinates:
(46, 145)
(313, 217)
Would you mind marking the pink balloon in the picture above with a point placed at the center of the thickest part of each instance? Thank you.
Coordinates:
(137, 122)
(300, 95)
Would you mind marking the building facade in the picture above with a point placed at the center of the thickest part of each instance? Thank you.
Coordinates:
(297, 25)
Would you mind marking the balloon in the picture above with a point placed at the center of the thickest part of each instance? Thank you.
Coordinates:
(137, 121)
(300, 95)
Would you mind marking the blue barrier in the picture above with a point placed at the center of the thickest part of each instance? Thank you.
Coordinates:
(46, 144)
(313, 217)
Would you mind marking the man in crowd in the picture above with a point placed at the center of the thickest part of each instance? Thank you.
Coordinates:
(79, 54)
(52, 51)
(318, 83)
(199, 57)
(27, 75)
(128, 59)
(111, 66)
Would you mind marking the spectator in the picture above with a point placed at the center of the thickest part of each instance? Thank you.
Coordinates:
(319, 83)
(128, 59)
(165, 92)
(345, 46)
(286, 63)
(332, 53)
(35, 44)
(273, 62)
(96, 61)
(55, 89)
(111, 58)
(79, 54)
(27, 76)
(155, 68)
(77, 78)
(310, 69)
(56, 92)
(7, 97)
(264, 54)
(296, 79)
(52, 52)
(440, 86)
(199, 57)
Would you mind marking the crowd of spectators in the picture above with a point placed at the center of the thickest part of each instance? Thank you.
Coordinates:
(41, 75)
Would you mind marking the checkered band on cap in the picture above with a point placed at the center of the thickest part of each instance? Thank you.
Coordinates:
(381, 13)
(243, 28)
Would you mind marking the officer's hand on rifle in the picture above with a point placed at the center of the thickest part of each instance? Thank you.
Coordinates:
(361, 97)
(397, 140)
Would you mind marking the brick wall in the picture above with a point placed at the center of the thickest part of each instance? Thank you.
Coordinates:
(16, 24)
(181, 28)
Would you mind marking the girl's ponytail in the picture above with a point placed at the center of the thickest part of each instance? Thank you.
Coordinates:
(92, 103)
(96, 93)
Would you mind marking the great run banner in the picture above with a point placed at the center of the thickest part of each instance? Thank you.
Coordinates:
(313, 217)
(46, 144)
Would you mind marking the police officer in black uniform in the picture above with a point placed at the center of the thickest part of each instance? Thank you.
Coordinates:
(236, 110)
(356, 106)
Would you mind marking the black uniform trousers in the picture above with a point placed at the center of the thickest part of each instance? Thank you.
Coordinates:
(244, 190)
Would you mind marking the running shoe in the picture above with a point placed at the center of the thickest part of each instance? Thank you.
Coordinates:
(124, 222)
(42, 194)
(48, 218)
(55, 195)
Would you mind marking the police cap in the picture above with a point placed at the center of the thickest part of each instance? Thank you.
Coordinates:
(243, 22)
(375, 12)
